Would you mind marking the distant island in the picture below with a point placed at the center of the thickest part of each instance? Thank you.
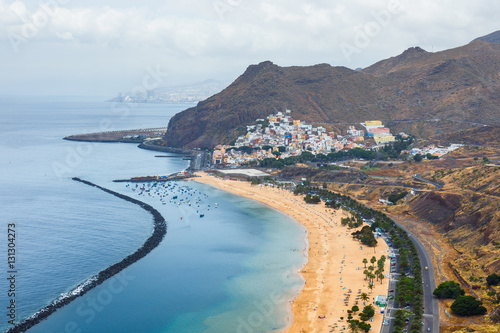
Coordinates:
(190, 93)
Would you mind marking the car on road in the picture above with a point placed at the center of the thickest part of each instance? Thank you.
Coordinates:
(426, 268)
(428, 329)
(392, 290)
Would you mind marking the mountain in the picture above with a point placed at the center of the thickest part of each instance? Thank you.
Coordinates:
(494, 37)
(418, 92)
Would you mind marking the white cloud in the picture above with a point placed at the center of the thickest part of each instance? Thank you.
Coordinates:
(194, 39)
(18, 9)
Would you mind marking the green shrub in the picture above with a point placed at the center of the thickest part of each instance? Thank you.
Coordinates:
(493, 279)
(468, 306)
(448, 289)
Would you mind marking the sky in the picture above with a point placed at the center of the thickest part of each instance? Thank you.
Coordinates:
(100, 48)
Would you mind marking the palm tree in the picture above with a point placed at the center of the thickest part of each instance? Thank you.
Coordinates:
(364, 296)
(365, 261)
(380, 264)
(365, 272)
(373, 260)
(377, 273)
(371, 286)
(381, 277)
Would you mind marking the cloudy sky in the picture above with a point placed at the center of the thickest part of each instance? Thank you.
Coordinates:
(90, 48)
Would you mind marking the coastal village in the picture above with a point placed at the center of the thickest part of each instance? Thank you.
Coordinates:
(281, 136)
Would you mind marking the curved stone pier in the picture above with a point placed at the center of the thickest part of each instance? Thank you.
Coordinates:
(160, 229)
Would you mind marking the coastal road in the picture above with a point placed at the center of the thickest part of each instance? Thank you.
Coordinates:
(418, 177)
(393, 280)
(389, 313)
(196, 161)
(200, 160)
(431, 306)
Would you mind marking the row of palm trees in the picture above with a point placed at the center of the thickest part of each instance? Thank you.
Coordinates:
(371, 273)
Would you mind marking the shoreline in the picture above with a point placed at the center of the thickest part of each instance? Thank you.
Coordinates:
(305, 243)
(159, 232)
(331, 268)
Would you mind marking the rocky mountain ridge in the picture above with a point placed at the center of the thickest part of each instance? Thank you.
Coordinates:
(494, 37)
(418, 92)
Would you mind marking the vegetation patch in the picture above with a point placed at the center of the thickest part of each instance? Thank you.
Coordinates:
(448, 289)
(468, 306)
(493, 279)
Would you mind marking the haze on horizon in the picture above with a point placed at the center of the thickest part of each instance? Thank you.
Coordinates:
(69, 47)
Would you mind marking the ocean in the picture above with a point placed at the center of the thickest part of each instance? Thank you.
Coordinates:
(232, 270)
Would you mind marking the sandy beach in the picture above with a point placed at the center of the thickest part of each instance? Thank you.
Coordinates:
(333, 274)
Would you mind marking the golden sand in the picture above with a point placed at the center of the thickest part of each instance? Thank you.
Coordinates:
(333, 275)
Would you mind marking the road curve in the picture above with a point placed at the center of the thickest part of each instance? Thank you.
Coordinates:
(418, 177)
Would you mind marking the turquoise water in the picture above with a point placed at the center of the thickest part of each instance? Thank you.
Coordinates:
(234, 270)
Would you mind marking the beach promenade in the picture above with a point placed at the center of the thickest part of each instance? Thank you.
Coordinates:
(333, 274)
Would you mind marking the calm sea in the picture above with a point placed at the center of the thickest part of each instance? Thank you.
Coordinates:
(232, 270)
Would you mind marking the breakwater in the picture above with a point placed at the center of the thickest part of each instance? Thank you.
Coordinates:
(154, 179)
(125, 136)
(159, 231)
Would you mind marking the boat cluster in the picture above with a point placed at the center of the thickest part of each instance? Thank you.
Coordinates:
(173, 193)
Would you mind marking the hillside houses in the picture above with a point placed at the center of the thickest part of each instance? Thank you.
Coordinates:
(281, 136)
(435, 151)
(380, 134)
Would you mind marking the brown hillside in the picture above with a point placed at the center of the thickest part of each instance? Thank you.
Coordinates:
(479, 136)
(419, 92)
(316, 94)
